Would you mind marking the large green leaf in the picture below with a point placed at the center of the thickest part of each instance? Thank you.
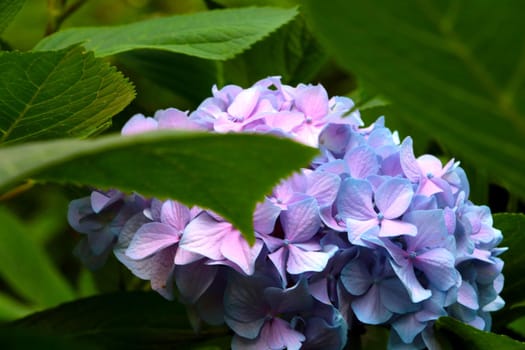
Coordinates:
(454, 69)
(26, 267)
(463, 336)
(513, 228)
(8, 11)
(226, 173)
(217, 35)
(132, 320)
(291, 52)
(57, 94)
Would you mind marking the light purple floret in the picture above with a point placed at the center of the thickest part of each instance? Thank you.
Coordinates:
(367, 233)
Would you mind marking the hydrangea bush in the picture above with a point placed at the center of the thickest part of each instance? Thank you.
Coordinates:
(368, 233)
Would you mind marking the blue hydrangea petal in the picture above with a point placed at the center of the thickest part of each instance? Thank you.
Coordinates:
(356, 277)
(369, 308)
(438, 266)
(408, 278)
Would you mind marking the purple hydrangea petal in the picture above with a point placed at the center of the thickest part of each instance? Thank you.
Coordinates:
(151, 238)
(408, 161)
(467, 296)
(301, 221)
(323, 186)
(278, 334)
(300, 261)
(285, 121)
(393, 228)
(161, 273)
(172, 118)
(321, 334)
(236, 249)
(319, 290)
(204, 236)
(265, 216)
(393, 197)
(290, 300)
(175, 214)
(279, 259)
(362, 162)
(355, 200)
(244, 103)
(194, 279)
(100, 200)
(184, 257)
(357, 228)
(139, 124)
(312, 101)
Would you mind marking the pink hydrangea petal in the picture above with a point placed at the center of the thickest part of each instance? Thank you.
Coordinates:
(175, 214)
(244, 103)
(204, 236)
(151, 238)
(236, 249)
(139, 124)
(312, 101)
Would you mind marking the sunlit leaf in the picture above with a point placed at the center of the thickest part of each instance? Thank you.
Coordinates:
(216, 35)
(47, 95)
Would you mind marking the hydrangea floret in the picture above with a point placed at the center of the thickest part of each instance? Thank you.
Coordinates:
(368, 233)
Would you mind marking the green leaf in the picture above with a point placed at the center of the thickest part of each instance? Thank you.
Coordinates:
(226, 173)
(132, 320)
(463, 336)
(216, 35)
(47, 95)
(291, 52)
(8, 11)
(189, 77)
(454, 69)
(11, 309)
(26, 267)
(513, 228)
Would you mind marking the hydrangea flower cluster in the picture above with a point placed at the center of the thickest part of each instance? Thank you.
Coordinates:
(368, 233)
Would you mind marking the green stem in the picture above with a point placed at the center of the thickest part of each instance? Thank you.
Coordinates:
(59, 12)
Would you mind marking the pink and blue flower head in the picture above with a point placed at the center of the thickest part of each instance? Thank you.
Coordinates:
(368, 233)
